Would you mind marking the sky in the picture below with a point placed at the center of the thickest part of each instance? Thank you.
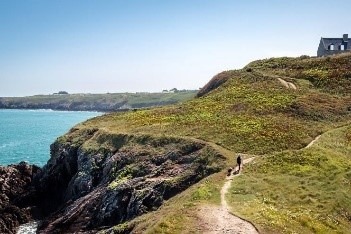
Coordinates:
(100, 46)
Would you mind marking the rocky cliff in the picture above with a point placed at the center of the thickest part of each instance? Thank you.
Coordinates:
(17, 196)
(95, 180)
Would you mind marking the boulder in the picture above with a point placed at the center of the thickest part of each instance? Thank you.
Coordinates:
(17, 196)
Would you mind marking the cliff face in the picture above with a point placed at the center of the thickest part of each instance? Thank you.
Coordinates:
(17, 197)
(95, 179)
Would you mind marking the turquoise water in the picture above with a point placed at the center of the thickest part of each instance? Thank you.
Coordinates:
(26, 135)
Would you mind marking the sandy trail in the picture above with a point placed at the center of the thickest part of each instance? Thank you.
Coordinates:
(217, 219)
(287, 84)
(312, 142)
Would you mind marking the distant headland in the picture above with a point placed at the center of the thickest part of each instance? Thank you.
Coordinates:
(108, 102)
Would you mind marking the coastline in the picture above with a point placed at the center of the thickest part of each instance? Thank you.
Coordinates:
(27, 134)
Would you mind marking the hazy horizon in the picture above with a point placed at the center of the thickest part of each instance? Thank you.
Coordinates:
(89, 93)
(148, 46)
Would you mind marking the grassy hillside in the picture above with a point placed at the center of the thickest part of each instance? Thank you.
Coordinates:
(97, 102)
(286, 190)
(250, 113)
(331, 74)
(299, 191)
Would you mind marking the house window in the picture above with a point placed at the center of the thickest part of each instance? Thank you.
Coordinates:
(342, 47)
(331, 47)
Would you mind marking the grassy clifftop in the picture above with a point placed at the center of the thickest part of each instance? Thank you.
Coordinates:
(331, 74)
(252, 111)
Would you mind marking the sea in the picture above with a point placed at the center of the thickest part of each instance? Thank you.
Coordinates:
(26, 135)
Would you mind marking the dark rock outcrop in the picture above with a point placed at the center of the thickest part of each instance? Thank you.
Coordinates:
(17, 196)
(95, 180)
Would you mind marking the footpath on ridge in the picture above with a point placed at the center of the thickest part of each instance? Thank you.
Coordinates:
(219, 219)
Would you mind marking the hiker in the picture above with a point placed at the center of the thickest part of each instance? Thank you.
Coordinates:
(238, 161)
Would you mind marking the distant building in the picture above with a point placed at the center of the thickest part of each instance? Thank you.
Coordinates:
(329, 46)
(61, 93)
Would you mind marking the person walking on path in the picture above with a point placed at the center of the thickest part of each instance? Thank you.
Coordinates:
(238, 161)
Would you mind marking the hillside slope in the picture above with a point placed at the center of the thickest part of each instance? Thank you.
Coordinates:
(252, 112)
(287, 189)
(303, 191)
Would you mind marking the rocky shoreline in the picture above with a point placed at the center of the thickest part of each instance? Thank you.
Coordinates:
(95, 180)
(65, 108)
(17, 196)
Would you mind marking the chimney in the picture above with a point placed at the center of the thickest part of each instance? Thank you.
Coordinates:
(345, 37)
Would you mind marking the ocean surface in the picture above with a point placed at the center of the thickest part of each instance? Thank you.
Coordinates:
(26, 135)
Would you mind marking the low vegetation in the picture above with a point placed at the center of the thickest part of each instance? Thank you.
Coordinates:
(299, 191)
(286, 189)
(250, 113)
(331, 74)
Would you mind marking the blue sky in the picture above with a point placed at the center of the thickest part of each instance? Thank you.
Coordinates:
(99, 46)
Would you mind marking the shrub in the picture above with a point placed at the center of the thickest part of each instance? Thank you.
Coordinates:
(304, 57)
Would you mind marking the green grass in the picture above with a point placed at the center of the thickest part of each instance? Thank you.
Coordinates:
(299, 191)
(286, 191)
(330, 74)
(250, 113)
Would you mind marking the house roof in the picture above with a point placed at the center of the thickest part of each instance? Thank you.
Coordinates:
(336, 42)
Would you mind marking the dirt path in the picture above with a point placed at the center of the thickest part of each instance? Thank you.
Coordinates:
(312, 142)
(286, 84)
(218, 219)
(282, 80)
